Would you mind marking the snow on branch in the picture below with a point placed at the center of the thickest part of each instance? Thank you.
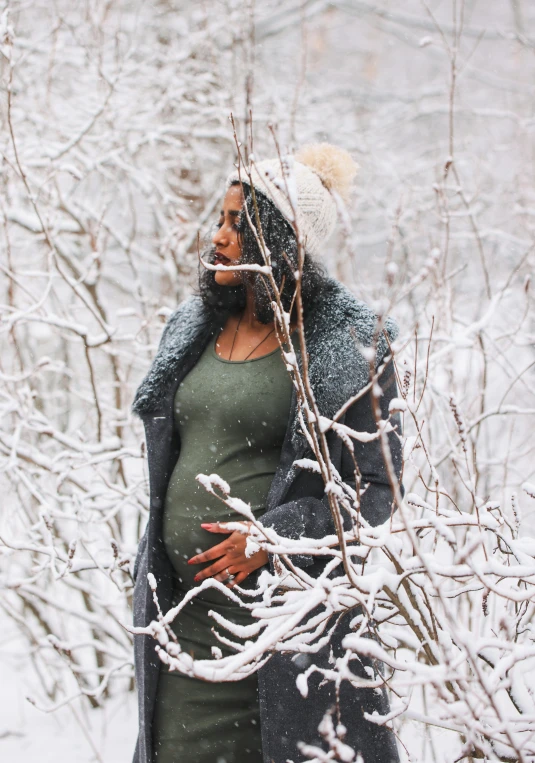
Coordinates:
(116, 146)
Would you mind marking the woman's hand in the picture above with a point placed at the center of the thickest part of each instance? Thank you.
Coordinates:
(230, 556)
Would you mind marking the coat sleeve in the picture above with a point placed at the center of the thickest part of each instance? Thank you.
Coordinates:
(310, 516)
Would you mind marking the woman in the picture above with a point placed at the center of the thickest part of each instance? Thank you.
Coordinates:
(219, 399)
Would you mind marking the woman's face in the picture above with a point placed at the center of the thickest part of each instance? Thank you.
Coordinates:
(227, 246)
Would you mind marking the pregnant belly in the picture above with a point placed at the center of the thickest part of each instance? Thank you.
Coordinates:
(186, 507)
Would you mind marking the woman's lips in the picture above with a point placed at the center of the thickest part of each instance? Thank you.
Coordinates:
(220, 259)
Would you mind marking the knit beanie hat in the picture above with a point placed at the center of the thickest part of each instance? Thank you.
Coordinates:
(316, 176)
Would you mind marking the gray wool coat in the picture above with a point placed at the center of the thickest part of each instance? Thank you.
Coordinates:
(336, 326)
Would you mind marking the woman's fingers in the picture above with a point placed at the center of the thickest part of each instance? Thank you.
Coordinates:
(212, 570)
(221, 527)
(215, 527)
(223, 576)
(230, 552)
(240, 577)
(213, 553)
(226, 566)
(234, 545)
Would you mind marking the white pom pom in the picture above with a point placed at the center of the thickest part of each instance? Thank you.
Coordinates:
(334, 165)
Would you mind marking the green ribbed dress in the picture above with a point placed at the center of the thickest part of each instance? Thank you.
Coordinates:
(232, 418)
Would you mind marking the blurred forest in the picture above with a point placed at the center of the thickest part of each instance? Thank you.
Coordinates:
(115, 143)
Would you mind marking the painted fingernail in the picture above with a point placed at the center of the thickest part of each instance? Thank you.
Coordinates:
(206, 524)
(190, 561)
(196, 578)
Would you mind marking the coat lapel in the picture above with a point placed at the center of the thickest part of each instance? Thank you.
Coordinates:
(183, 339)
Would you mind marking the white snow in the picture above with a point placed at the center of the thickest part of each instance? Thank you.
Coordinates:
(77, 733)
(123, 138)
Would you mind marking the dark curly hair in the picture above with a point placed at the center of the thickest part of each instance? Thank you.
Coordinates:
(280, 239)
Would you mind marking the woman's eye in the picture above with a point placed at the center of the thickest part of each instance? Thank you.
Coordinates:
(234, 227)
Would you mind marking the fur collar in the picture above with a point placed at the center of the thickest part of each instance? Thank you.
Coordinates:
(336, 329)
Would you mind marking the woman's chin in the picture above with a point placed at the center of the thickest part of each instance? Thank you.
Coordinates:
(229, 278)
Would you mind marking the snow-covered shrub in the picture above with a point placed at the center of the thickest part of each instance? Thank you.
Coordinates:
(115, 143)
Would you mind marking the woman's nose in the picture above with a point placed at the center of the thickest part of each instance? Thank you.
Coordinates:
(219, 236)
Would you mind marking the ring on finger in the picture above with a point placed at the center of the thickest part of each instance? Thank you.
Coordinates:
(229, 575)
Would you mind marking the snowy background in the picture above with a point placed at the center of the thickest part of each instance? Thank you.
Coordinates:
(115, 142)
